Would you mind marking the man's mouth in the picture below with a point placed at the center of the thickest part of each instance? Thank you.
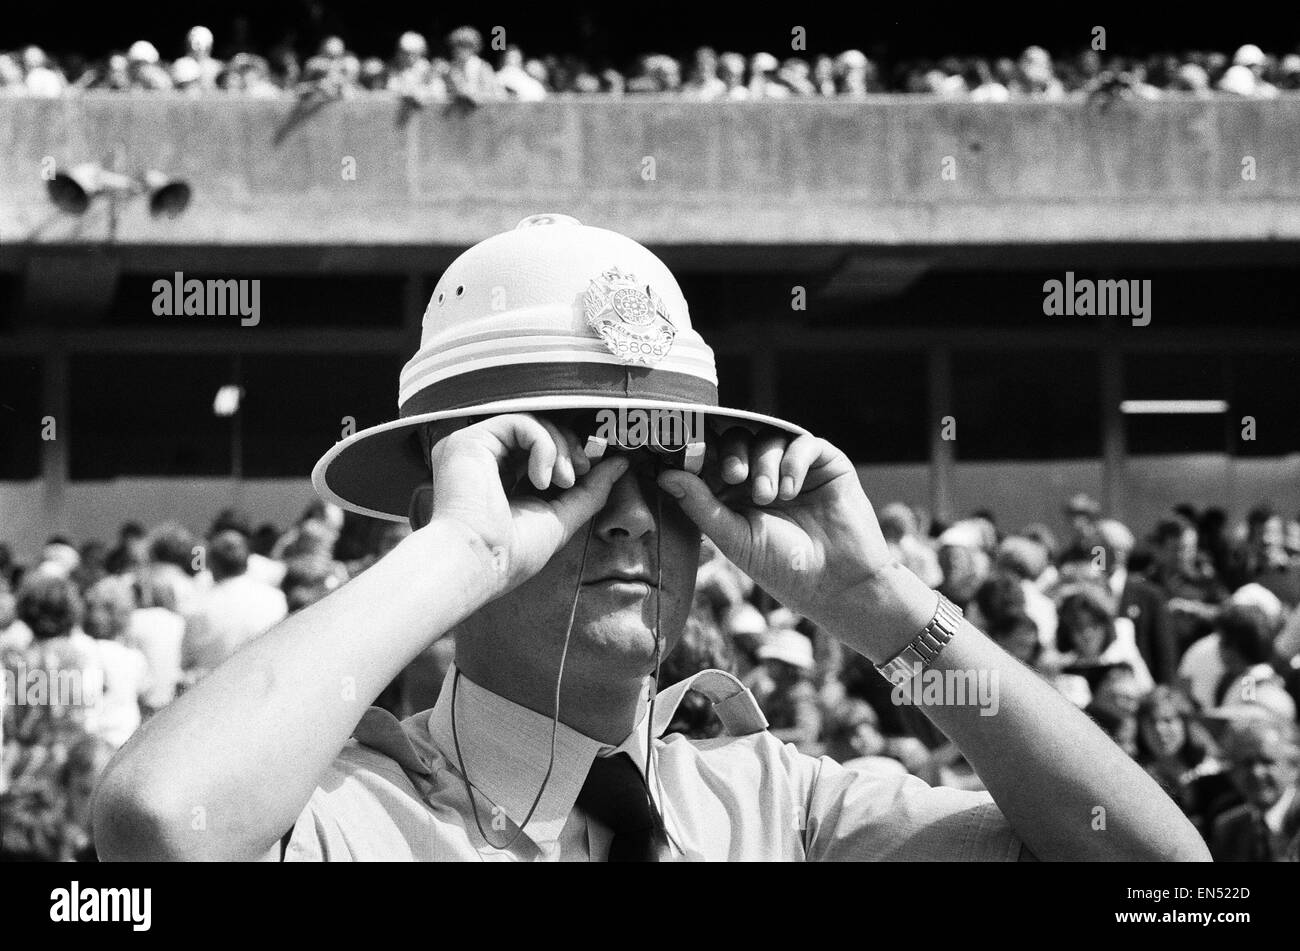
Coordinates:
(622, 577)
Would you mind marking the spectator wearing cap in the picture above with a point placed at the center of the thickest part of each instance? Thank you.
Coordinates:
(58, 557)
(659, 74)
(784, 690)
(185, 76)
(1263, 757)
(746, 630)
(470, 77)
(40, 78)
(144, 67)
(329, 74)
(411, 73)
(763, 83)
(374, 75)
(235, 610)
(198, 60)
(963, 560)
(1191, 78)
(1246, 75)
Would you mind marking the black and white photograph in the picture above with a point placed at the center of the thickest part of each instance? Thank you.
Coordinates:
(447, 433)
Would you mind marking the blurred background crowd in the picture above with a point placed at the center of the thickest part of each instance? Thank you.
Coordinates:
(462, 67)
(1182, 643)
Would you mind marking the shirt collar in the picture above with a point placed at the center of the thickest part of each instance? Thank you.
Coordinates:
(505, 749)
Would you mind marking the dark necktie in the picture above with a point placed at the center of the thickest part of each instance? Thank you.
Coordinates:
(615, 794)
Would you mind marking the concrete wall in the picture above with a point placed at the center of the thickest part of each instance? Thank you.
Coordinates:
(1017, 492)
(772, 172)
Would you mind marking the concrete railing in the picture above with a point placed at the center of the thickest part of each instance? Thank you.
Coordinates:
(891, 170)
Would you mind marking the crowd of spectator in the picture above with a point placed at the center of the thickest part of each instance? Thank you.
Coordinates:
(465, 70)
(1184, 646)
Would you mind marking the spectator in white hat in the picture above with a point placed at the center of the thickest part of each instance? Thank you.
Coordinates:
(785, 691)
(198, 49)
(411, 73)
(763, 83)
(41, 79)
(1246, 75)
(144, 69)
(852, 72)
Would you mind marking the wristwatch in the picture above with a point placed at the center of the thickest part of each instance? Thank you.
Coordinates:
(925, 647)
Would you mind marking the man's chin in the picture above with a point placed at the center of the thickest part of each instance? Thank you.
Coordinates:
(621, 639)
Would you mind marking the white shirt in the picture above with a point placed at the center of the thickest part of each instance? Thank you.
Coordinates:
(158, 633)
(1124, 650)
(227, 617)
(126, 678)
(1202, 669)
(396, 792)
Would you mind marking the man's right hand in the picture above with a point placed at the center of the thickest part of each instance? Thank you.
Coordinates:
(516, 534)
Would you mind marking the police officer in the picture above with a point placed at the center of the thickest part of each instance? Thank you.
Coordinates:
(562, 552)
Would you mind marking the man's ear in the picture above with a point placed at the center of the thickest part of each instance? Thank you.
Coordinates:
(421, 507)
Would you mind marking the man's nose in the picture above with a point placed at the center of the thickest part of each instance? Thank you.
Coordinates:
(629, 512)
